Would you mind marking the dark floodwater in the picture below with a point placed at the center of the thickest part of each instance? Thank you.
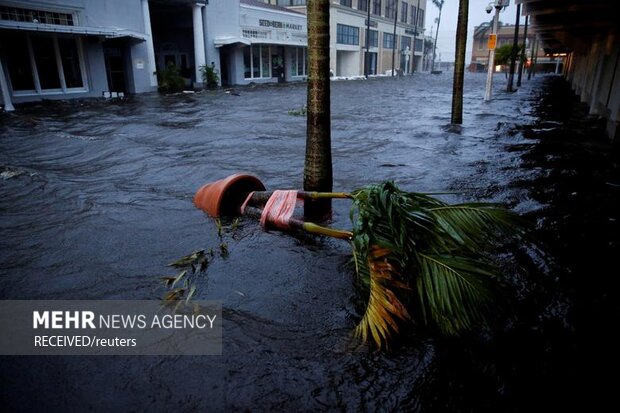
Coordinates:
(96, 199)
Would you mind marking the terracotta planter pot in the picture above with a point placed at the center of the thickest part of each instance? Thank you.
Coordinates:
(225, 197)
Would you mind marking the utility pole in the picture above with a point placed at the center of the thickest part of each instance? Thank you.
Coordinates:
(536, 56)
(415, 34)
(394, 43)
(367, 58)
(515, 50)
(499, 4)
(523, 56)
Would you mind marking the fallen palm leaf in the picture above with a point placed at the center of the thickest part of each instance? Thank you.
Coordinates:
(174, 294)
(415, 249)
(189, 260)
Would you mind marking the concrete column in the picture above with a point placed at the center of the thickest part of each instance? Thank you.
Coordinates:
(6, 96)
(199, 42)
(212, 53)
(151, 67)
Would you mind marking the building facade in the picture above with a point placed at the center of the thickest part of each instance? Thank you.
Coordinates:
(505, 36)
(252, 41)
(60, 49)
(348, 27)
(74, 48)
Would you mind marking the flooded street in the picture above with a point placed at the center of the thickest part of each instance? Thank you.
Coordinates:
(96, 200)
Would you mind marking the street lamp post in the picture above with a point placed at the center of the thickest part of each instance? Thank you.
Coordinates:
(498, 5)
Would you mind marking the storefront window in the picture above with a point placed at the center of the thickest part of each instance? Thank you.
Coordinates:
(18, 62)
(40, 64)
(247, 64)
(300, 62)
(256, 62)
(265, 62)
(70, 63)
(47, 68)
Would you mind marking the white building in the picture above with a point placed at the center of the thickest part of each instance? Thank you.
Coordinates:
(251, 41)
(348, 25)
(52, 49)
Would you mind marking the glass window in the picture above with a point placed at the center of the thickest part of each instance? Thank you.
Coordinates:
(405, 41)
(412, 17)
(419, 45)
(40, 63)
(374, 38)
(347, 34)
(19, 14)
(390, 9)
(403, 12)
(421, 17)
(256, 61)
(291, 2)
(300, 62)
(376, 7)
(247, 62)
(18, 62)
(265, 62)
(70, 62)
(345, 3)
(45, 57)
(362, 5)
(372, 63)
(388, 40)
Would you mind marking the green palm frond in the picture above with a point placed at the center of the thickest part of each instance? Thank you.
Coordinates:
(436, 251)
(454, 292)
(475, 225)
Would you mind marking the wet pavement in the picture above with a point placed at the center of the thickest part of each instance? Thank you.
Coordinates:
(96, 199)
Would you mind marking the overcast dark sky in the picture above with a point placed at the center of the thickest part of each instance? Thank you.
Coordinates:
(447, 27)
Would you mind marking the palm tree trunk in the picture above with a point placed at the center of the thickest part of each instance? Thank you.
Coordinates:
(318, 164)
(515, 50)
(523, 57)
(439, 4)
(459, 62)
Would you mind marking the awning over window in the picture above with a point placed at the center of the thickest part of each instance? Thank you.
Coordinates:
(223, 41)
(109, 32)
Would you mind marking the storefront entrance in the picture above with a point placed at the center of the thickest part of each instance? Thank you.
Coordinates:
(277, 63)
(114, 53)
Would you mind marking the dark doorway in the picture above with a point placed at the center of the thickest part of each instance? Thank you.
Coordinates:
(225, 65)
(277, 63)
(114, 53)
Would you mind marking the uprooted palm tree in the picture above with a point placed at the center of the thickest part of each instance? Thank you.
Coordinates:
(423, 260)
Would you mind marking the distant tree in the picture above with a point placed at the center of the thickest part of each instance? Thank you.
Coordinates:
(439, 4)
(428, 49)
(503, 55)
